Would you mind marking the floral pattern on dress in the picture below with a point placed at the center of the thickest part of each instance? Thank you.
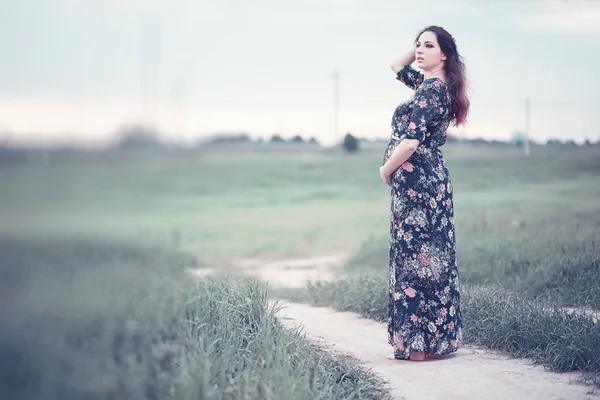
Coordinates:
(424, 294)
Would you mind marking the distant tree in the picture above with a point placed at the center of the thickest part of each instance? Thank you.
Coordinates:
(350, 144)
(478, 140)
(228, 138)
(297, 139)
(519, 138)
(571, 143)
(138, 137)
(587, 142)
(276, 138)
(313, 141)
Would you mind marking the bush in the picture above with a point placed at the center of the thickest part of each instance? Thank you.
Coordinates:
(350, 143)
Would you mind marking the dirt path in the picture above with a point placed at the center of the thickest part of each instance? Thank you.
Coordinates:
(472, 373)
(294, 272)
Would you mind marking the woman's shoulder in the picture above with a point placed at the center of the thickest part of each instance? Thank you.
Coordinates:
(434, 87)
(434, 83)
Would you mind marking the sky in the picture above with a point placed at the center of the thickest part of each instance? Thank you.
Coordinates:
(76, 71)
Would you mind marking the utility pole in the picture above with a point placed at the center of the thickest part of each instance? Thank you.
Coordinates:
(336, 103)
(526, 144)
(149, 57)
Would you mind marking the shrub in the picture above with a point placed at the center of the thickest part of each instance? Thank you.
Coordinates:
(350, 143)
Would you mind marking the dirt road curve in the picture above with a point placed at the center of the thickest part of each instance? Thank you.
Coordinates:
(472, 373)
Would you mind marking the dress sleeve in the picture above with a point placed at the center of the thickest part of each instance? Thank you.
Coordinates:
(427, 108)
(410, 77)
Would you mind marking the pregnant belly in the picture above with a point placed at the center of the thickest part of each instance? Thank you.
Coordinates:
(391, 146)
(425, 155)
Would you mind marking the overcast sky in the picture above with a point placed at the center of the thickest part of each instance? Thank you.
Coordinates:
(77, 70)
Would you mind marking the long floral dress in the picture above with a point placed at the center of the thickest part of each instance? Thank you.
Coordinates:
(424, 297)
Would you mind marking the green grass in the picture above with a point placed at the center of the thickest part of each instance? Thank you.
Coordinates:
(221, 205)
(224, 205)
(527, 228)
(91, 320)
(559, 262)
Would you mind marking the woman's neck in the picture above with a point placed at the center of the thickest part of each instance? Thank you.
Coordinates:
(436, 73)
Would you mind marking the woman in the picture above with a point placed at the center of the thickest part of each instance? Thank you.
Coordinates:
(424, 315)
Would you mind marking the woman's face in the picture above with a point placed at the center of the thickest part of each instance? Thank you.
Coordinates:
(428, 53)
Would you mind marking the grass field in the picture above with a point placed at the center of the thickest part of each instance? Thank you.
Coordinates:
(220, 205)
(527, 237)
(94, 320)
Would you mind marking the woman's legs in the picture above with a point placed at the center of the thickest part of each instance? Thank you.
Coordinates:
(416, 356)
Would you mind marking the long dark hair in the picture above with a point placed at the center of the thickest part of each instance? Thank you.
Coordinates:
(455, 73)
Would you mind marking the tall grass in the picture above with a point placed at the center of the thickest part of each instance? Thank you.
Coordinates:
(558, 262)
(103, 321)
(560, 340)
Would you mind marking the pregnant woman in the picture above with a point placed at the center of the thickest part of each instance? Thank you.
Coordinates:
(424, 315)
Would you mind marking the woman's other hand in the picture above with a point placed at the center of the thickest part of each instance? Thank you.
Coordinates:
(386, 176)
